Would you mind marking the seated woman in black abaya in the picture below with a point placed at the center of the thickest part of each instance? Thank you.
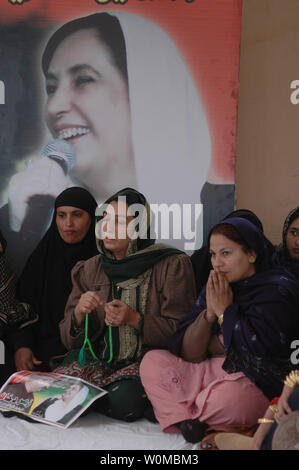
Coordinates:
(45, 282)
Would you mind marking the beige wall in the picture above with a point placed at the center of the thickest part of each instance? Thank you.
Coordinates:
(267, 159)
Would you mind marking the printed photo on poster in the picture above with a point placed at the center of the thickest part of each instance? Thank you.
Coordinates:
(53, 399)
(148, 110)
(117, 90)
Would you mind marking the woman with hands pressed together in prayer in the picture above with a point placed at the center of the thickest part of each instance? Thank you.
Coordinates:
(133, 294)
(219, 295)
(231, 353)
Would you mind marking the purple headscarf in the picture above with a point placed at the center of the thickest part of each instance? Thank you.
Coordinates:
(254, 238)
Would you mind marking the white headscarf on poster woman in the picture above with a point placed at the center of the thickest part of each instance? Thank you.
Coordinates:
(171, 138)
(169, 132)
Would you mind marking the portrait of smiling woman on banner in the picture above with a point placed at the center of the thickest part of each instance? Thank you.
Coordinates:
(119, 92)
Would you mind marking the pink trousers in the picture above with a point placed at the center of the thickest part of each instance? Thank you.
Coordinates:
(180, 390)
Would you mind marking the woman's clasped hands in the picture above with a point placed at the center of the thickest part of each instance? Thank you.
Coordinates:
(219, 295)
(117, 312)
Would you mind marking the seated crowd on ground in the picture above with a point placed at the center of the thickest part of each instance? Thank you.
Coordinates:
(193, 343)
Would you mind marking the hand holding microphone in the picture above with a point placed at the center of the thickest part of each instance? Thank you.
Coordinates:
(43, 179)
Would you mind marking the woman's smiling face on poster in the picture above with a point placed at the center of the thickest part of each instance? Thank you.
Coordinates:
(88, 105)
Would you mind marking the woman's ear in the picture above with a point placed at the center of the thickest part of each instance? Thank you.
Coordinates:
(252, 257)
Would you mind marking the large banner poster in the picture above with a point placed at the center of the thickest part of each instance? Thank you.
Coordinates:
(139, 93)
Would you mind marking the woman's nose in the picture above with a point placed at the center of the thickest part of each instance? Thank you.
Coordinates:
(69, 220)
(217, 261)
(60, 101)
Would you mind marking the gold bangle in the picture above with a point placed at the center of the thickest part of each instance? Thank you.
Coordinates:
(220, 319)
(292, 380)
(289, 383)
(265, 420)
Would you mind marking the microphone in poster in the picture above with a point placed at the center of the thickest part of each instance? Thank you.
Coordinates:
(32, 192)
(62, 152)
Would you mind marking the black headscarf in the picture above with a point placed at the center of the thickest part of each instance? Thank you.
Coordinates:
(283, 256)
(248, 215)
(45, 282)
(3, 244)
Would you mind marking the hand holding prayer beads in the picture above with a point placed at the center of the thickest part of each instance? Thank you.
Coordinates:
(118, 313)
(88, 302)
